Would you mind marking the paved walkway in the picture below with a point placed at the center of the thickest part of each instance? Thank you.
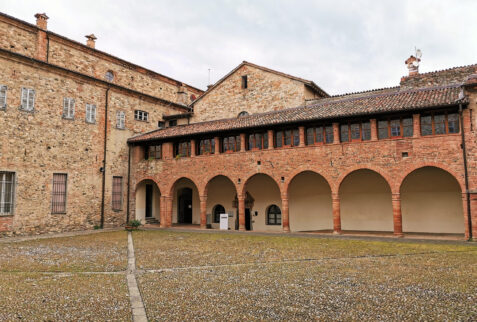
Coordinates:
(137, 305)
(56, 235)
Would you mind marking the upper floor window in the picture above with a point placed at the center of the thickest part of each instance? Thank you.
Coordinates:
(154, 152)
(172, 123)
(287, 138)
(68, 108)
(319, 135)
(182, 149)
(141, 115)
(231, 144)
(206, 146)
(90, 113)
(28, 99)
(3, 96)
(439, 123)
(120, 120)
(274, 215)
(7, 190)
(395, 127)
(244, 81)
(355, 131)
(258, 141)
(109, 76)
(242, 114)
(161, 124)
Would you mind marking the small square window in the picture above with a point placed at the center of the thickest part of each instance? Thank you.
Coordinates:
(141, 115)
(161, 124)
(244, 82)
(172, 123)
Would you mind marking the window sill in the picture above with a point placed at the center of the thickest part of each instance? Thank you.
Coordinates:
(90, 122)
(27, 111)
(144, 121)
(58, 213)
(6, 215)
(68, 118)
(120, 128)
(117, 210)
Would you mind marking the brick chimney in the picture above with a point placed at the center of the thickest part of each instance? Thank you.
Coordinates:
(181, 95)
(413, 65)
(91, 42)
(41, 20)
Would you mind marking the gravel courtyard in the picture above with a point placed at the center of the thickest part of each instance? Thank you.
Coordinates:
(229, 276)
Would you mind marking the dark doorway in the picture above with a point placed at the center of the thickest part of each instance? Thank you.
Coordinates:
(184, 206)
(248, 219)
(149, 200)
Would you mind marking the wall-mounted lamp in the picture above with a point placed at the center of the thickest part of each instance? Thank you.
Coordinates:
(101, 169)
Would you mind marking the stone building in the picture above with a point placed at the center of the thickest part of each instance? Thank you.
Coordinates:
(274, 151)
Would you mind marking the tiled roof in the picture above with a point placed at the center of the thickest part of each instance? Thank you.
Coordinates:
(377, 102)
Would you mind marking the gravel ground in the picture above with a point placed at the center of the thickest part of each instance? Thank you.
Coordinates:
(166, 249)
(419, 287)
(94, 252)
(68, 297)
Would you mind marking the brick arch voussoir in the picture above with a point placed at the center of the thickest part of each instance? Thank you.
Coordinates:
(241, 189)
(384, 174)
(204, 191)
(172, 184)
(297, 172)
(153, 179)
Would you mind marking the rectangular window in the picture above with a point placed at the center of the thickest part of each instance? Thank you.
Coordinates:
(161, 124)
(141, 115)
(117, 193)
(439, 123)
(3, 96)
(366, 131)
(28, 99)
(120, 120)
(453, 122)
(58, 194)
(383, 129)
(231, 144)
(182, 149)
(355, 132)
(395, 128)
(407, 127)
(319, 135)
(7, 191)
(329, 134)
(172, 123)
(154, 152)
(258, 141)
(244, 82)
(90, 113)
(206, 146)
(426, 125)
(344, 133)
(68, 108)
(287, 138)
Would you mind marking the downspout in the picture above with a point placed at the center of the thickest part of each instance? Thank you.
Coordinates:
(129, 183)
(103, 169)
(466, 174)
(47, 47)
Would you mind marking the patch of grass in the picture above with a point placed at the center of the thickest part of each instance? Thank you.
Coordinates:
(94, 252)
(42, 297)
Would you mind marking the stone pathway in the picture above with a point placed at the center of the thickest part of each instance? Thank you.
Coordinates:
(137, 305)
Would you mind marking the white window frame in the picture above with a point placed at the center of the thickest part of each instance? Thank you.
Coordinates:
(120, 120)
(27, 99)
(68, 108)
(3, 96)
(90, 113)
(3, 197)
(140, 115)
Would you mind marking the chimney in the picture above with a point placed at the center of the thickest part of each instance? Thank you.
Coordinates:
(182, 95)
(91, 42)
(413, 65)
(41, 20)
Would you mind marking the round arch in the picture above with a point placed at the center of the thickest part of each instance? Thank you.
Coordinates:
(185, 201)
(337, 184)
(147, 199)
(431, 202)
(220, 190)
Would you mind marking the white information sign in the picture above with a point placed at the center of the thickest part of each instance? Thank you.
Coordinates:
(224, 221)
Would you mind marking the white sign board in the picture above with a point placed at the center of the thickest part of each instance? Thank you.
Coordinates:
(224, 221)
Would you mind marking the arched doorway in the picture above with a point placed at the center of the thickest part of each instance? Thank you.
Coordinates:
(185, 203)
(216, 212)
(184, 206)
(431, 202)
(148, 199)
(365, 202)
(309, 198)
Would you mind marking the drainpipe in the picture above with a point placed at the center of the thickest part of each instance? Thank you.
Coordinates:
(129, 182)
(466, 175)
(103, 169)
(47, 46)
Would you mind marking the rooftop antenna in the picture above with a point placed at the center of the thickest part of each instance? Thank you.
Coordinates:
(209, 77)
(418, 55)
(209, 84)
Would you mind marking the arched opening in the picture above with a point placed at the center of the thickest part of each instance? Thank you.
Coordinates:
(264, 191)
(220, 191)
(274, 215)
(216, 212)
(365, 202)
(431, 202)
(309, 199)
(185, 203)
(148, 199)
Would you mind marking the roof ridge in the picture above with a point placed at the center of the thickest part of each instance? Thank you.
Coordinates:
(443, 70)
(364, 91)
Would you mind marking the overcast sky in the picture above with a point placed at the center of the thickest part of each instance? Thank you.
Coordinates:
(343, 46)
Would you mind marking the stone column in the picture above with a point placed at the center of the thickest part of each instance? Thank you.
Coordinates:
(241, 209)
(397, 215)
(416, 123)
(336, 133)
(242, 142)
(192, 148)
(374, 130)
(217, 145)
(301, 130)
(203, 212)
(270, 139)
(285, 214)
(336, 213)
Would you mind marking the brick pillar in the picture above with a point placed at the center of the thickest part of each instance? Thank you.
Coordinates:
(167, 150)
(285, 214)
(203, 212)
(241, 209)
(397, 215)
(192, 148)
(473, 215)
(168, 210)
(336, 213)
(336, 133)
(242, 142)
(374, 130)
(416, 122)
(162, 212)
(301, 129)
(217, 145)
(270, 139)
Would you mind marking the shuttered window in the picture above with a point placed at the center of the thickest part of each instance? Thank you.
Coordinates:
(28, 99)
(117, 193)
(3, 96)
(58, 194)
(68, 108)
(120, 120)
(90, 113)
(7, 190)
